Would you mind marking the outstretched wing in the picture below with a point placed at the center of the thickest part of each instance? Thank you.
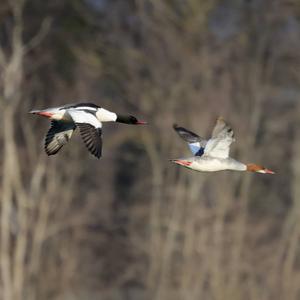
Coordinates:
(92, 138)
(195, 142)
(58, 135)
(219, 144)
(90, 130)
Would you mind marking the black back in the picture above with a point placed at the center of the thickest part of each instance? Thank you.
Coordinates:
(75, 105)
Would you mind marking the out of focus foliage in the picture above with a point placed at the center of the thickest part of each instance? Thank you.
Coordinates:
(132, 225)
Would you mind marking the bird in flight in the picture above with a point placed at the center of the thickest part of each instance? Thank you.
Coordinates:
(213, 155)
(88, 117)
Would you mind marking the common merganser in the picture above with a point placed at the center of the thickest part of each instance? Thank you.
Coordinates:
(88, 117)
(213, 155)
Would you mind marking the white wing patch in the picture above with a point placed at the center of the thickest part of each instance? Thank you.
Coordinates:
(79, 116)
(219, 145)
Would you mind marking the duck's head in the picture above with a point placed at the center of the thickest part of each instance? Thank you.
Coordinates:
(258, 169)
(129, 120)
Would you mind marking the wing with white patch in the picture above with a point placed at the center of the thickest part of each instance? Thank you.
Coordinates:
(90, 130)
(58, 135)
(219, 144)
(195, 142)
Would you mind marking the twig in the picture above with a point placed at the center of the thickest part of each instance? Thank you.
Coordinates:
(2, 58)
(41, 34)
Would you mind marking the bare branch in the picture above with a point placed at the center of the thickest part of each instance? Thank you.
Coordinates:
(17, 10)
(2, 58)
(40, 35)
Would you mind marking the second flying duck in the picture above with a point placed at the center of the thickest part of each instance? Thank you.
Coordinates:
(213, 154)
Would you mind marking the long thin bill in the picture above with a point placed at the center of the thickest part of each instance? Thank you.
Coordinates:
(267, 171)
(141, 123)
(182, 162)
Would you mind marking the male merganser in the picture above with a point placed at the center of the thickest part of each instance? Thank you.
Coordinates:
(213, 155)
(88, 117)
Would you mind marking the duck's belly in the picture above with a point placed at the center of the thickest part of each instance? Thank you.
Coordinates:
(215, 164)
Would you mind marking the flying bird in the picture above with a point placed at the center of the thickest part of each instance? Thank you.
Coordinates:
(213, 155)
(88, 117)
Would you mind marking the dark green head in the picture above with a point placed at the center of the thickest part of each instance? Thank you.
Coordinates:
(129, 120)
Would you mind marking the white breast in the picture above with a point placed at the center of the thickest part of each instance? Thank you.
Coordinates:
(104, 115)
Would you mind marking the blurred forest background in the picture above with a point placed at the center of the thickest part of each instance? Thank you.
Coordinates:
(132, 225)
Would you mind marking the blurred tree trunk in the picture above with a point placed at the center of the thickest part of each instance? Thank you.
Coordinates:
(12, 186)
(33, 190)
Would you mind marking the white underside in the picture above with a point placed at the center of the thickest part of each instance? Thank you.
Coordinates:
(210, 164)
